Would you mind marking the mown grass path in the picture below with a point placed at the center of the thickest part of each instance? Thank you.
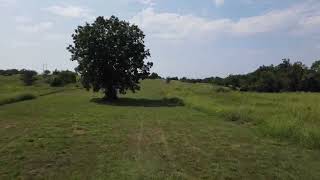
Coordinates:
(69, 136)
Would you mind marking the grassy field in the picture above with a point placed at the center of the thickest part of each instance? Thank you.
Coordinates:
(12, 86)
(213, 134)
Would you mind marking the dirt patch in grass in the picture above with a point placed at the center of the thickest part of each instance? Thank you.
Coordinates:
(78, 131)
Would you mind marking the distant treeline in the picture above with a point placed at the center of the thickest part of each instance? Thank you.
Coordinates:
(55, 78)
(10, 72)
(285, 77)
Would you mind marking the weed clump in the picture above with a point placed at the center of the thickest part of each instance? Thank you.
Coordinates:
(238, 117)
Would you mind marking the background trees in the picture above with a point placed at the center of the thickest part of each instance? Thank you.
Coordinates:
(285, 77)
(110, 54)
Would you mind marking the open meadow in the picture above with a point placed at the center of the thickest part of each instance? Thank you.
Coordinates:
(165, 131)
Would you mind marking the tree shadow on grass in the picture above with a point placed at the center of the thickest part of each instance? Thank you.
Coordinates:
(165, 102)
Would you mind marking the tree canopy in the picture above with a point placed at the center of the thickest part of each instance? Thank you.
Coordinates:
(110, 53)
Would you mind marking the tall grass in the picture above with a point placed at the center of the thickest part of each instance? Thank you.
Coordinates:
(294, 117)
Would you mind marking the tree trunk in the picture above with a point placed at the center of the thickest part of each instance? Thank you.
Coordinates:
(111, 94)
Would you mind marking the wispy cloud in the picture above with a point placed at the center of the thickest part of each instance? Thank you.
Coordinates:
(147, 2)
(219, 2)
(69, 11)
(298, 18)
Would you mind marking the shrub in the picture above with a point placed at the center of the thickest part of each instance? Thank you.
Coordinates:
(154, 76)
(56, 82)
(63, 78)
(67, 77)
(28, 77)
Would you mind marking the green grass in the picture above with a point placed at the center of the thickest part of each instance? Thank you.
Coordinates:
(288, 116)
(13, 90)
(165, 131)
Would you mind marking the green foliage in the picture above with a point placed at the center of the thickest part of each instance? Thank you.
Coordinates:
(56, 82)
(154, 76)
(9, 72)
(285, 77)
(28, 77)
(316, 66)
(46, 73)
(62, 78)
(21, 97)
(110, 54)
(212, 80)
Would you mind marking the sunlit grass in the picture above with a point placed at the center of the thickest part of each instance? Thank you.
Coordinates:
(288, 116)
(164, 131)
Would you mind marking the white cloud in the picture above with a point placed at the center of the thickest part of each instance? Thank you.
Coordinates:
(35, 28)
(175, 26)
(69, 11)
(298, 18)
(147, 2)
(219, 2)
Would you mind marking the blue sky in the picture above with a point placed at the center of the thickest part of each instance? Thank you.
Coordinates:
(187, 38)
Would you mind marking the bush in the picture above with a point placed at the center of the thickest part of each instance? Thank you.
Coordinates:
(63, 78)
(67, 77)
(28, 77)
(46, 73)
(22, 97)
(56, 82)
(154, 76)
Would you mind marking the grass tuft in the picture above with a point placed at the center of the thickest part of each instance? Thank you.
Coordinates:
(241, 117)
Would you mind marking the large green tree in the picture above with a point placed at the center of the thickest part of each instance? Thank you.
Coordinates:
(111, 55)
